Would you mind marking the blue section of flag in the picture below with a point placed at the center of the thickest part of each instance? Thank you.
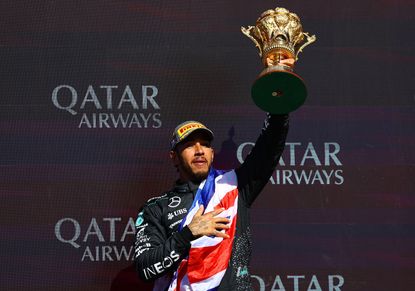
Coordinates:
(204, 195)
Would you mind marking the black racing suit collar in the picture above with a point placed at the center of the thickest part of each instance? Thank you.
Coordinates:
(185, 187)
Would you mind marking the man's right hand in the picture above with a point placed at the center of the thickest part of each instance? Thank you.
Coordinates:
(209, 224)
(284, 62)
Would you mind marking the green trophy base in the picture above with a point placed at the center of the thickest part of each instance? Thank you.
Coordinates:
(278, 90)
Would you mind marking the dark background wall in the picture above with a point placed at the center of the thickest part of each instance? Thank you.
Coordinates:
(71, 187)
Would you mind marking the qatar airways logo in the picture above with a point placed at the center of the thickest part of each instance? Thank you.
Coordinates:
(304, 163)
(299, 283)
(110, 106)
(101, 239)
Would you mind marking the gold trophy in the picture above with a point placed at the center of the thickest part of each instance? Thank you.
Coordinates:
(278, 34)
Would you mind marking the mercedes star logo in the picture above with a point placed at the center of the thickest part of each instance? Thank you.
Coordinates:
(174, 201)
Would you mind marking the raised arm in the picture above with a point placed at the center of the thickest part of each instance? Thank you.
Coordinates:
(255, 171)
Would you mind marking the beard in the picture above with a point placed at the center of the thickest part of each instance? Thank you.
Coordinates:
(195, 177)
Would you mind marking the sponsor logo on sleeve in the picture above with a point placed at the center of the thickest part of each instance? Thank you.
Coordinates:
(161, 266)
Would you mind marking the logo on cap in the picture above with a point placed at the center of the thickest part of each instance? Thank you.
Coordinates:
(190, 126)
(184, 129)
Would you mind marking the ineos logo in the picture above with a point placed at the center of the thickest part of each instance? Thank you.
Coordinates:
(174, 201)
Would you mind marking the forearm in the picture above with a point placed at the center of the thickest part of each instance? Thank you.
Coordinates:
(258, 166)
(156, 255)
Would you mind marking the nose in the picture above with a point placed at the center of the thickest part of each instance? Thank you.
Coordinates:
(198, 149)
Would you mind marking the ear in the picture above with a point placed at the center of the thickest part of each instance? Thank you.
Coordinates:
(174, 158)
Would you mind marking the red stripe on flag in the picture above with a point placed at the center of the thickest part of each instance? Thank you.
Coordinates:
(181, 272)
(228, 200)
(208, 261)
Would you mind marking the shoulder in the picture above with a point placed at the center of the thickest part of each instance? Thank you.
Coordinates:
(156, 199)
(154, 206)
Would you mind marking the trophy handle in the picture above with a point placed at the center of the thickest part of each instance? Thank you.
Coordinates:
(247, 32)
(310, 39)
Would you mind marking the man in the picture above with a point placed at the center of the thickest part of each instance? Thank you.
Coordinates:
(197, 235)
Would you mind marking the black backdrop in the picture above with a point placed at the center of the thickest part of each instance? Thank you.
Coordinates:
(91, 90)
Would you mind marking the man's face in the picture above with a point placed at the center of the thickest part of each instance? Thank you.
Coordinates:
(193, 157)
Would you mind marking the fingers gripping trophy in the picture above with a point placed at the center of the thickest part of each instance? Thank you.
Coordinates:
(279, 36)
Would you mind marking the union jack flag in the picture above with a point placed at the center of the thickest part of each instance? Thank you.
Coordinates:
(209, 256)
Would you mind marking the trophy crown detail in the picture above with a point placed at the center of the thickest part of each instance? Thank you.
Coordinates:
(278, 34)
